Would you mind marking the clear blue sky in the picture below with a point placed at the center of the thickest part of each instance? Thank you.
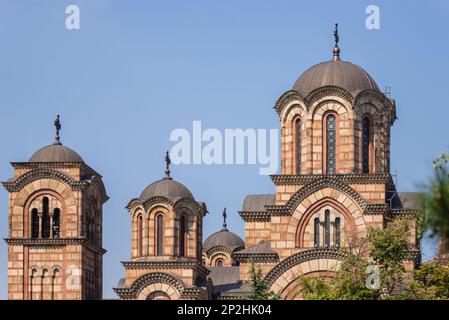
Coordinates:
(138, 69)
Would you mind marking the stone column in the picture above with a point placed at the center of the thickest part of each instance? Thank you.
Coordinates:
(51, 225)
(145, 234)
(40, 225)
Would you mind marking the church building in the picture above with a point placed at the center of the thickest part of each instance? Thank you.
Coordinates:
(334, 184)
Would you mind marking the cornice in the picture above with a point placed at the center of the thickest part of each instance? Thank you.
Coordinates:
(372, 178)
(167, 264)
(37, 173)
(55, 165)
(389, 113)
(53, 243)
(325, 91)
(376, 208)
(256, 257)
(216, 249)
(255, 215)
(405, 212)
(21, 181)
(200, 206)
(285, 98)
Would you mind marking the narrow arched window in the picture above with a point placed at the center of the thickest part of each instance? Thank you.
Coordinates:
(327, 227)
(56, 223)
(366, 144)
(316, 232)
(182, 236)
(337, 232)
(219, 263)
(159, 234)
(298, 145)
(330, 144)
(45, 219)
(34, 224)
(139, 236)
(91, 226)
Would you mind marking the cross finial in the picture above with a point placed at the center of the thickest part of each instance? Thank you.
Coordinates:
(224, 220)
(167, 165)
(336, 49)
(58, 127)
(337, 38)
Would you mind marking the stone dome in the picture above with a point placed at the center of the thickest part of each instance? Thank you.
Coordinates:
(224, 238)
(338, 73)
(167, 188)
(55, 153)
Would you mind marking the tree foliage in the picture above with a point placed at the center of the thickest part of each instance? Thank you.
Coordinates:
(436, 200)
(385, 248)
(434, 275)
(259, 288)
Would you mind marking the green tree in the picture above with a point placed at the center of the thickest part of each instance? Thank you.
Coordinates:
(259, 288)
(315, 288)
(385, 248)
(436, 202)
(389, 248)
(434, 275)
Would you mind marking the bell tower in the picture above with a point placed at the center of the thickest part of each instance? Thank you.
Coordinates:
(55, 226)
(166, 244)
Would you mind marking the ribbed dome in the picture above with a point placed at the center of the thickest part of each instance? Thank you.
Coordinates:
(339, 73)
(55, 153)
(167, 188)
(223, 238)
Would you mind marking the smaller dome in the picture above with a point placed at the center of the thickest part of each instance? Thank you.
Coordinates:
(167, 188)
(223, 238)
(56, 153)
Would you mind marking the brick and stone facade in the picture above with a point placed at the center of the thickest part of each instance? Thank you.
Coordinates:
(321, 202)
(166, 245)
(55, 227)
(334, 184)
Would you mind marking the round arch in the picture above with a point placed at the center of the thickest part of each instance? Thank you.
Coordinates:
(303, 222)
(308, 262)
(145, 285)
(303, 207)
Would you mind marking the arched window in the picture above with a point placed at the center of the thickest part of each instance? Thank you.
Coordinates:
(55, 273)
(337, 232)
(182, 236)
(366, 144)
(45, 219)
(34, 224)
(33, 277)
(159, 234)
(316, 232)
(219, 263)
(139, 236)
(91, 215)
(330, 144)
(327, 227)
(298, 145)
(56, 223)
